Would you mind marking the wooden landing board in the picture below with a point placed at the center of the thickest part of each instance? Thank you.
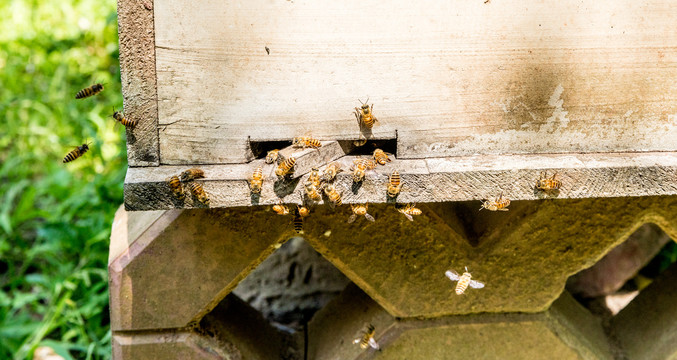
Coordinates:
(429, 180)
(448, 78)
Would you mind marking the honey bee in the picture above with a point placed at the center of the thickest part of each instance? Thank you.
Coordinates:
(90, 91)
(381, 156)
(331, 171)
(548, 184)
(496, 204)
(394, 184)
(76, 153)
(364, 114)
(303, 210)
(192, 174)
(367, 338)
(311, 191)
(117, 115)
(314, 177)
(306, 141)
(360, 209)
(298, 222)
(359, 168)
(197, 191)
(256, 181)
(463, 281)
(285, 167)
(272, 156)
(280, 209)
(409, 210)
(175, 185)
(333, 195)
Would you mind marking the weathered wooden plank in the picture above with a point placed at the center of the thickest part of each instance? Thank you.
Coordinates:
(429, 180)
(453, 78)
(137, 73)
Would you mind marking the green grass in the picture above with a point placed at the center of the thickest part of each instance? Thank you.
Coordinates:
(55, 218)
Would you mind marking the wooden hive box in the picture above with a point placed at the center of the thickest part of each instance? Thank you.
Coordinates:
(474, 98)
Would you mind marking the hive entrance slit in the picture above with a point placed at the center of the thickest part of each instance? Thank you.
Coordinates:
(261, 148)
(358, 148)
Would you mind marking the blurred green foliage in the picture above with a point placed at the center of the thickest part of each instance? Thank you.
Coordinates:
(55, 218)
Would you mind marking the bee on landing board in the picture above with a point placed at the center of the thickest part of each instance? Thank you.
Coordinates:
(272, 156)
(192, 174)
(394, 184)
(76, 153)
(381, 156)
(306, 141)
(312, 192)
(256, 181)
(117, 115)
(89, 91)
(359, 168)
(463, 281)
(548, 184)
(175, 185)
(409, 210)
(314, 177)
(286, 167)
(367, 338)
(331, 171)
(364, 115)
(280, 209)
(496, 204)
(199, 192)
(360, 210)
(333, 195)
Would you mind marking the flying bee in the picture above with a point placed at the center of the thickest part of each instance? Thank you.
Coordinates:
(311, 191)
(548, 184)
(76, 153)
(256, 181)
(496, 204)
(314, 177)
(359, 168)
(272, 156)
(331, 171)
(333, 195)
(364, 115)
(306, 141)
(192, 174)
(409, 210)
(285, 167)
(298, 222)
(463, 281)
(394, 184)
(199, 192)
(117, 115)
(303, 210)
(89, 91)
(281, 209)
(381, 156)
(367, 338)
(175, 185)
(360, 210)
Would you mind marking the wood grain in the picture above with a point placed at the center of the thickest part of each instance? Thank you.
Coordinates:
(428, 180)
(450, 78)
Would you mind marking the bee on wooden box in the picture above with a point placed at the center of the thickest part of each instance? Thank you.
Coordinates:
(496, 204)
(280, 209)
(286, 167)
(367, 338)
(360, 210)
(256, 181)
(312, 192)
(306, 141)
(364, 115)
(192, 174)
(89, 91)
(394, 184)
(548, 184)
(314, 177)
(333, 195)
(359, 168)
(463, 281)
(175, 185)
(117, 115)
(197, 191)
(76, 153)
(409, 210)
(381, 156)
(331, 171)
(272, 156)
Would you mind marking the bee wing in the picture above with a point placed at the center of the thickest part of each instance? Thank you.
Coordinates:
(452, 275)
(357, 341)
(476, 284)
(411, 218)
(373, 343)
(369, 217)
(352, 218)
